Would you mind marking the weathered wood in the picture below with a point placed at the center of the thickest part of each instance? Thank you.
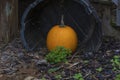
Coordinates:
(8, 19)
(104, 12)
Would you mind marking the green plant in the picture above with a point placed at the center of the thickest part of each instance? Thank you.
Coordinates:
(53, 70)
(117, 77)
(116, 62)
(99, 69)
(58, 77)
(78, 76)
(59, 54)
(85, 61)
(43, 78)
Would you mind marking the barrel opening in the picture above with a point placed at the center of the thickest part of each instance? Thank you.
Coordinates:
(41, 15)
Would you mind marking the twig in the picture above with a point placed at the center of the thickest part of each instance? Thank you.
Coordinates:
(72, 65)
(74, 56)
(88, 73)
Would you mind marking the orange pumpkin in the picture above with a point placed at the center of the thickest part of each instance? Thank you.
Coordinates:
(62, 36)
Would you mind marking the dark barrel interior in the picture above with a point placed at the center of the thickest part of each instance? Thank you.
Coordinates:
(41, 15)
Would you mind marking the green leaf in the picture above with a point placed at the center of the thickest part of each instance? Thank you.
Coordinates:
(117, 77)
(59, 54)
(43, 78)
(86, 61)
(116, 62)
(78, 76)
(99, 69)
(53, 70)
(58, 77)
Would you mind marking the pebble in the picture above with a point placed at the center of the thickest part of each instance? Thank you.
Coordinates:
(1, 75)
(31, 78)
(117, 51)
(39, 62)
(88, 55)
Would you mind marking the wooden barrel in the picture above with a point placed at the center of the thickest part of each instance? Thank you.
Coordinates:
(41, 15)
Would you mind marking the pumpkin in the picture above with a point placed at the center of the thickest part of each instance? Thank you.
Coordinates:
(62, 36)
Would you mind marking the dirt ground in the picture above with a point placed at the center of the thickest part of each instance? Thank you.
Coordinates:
(18, 64)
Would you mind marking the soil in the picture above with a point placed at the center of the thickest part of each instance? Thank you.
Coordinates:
(18, 64)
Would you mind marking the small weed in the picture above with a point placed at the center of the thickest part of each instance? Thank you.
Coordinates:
(116, 62)
(99, 69)
(43, 78)
(78, 76)
(117, 77)
(58, 77)
(59, 54)
(53, 70)
(86, 61)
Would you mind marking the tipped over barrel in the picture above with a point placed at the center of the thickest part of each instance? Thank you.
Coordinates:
(41, 15)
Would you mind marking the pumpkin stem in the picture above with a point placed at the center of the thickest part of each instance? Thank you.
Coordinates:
(62, 21)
